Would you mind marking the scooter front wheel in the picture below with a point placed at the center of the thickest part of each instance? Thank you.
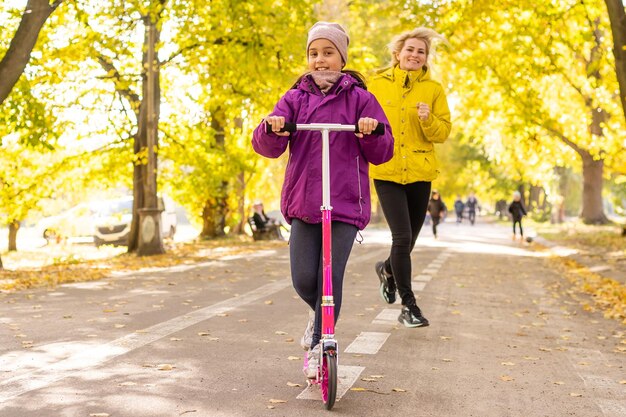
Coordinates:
(329, 379)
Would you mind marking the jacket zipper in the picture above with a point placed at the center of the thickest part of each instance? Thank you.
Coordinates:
(358, 180)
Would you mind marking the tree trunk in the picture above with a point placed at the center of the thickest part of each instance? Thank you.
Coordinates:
(14, 226)
(1, 266)
(216, 206)
(17, 56)
(617, 16)
(140, 169)
(593, 211)
(241, 203)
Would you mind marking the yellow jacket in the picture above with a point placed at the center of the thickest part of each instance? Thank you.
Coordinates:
(414, 151)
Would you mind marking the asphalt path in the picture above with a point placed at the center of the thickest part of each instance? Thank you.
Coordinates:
(221, 338)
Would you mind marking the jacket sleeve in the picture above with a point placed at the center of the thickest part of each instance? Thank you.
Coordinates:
(437, 127)
(270, 144)
(377, 149)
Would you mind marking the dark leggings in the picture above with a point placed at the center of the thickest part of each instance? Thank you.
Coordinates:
(305, 253)
(404, 207)
(521, 231)
(435, 221)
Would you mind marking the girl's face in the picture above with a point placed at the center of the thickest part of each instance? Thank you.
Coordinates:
(412, 56)
(324, 56)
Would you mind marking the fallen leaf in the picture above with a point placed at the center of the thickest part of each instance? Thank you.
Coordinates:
(447, 360)
(507, 363)
(583, 363)
(222, 315)
(203, 333)
(369, 379)
(507, 378)
(269, 302)
(274, 401)
(358, 389)
(623, 381)
(377, 376)
(99, 415)
(445, 337)
(294, 358)
(292, 384)
(543, 349)
(243, 320)
(214, 339)
(289, 340)
(127, 384)
(271, 407)
(119, 326)
(434, 368)
(531, 358)
(165, 367)
(280, 333)
(109, 310)
(175, 339)
(575, 394)
(398, 390)
(559, 383)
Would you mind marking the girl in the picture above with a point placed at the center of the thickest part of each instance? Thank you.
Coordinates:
(325, 94)
(437, 210)
(418, 112)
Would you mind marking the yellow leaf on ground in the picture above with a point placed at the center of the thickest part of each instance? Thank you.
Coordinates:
(369, 379)
(398, 390)
(119, 326)
(280, 333)
(165, 367)
(269, 302)
(447, 360)
(507, 378)
(507, 363)
(445, 337)
(175, 339)
(203, 333)
(294, 358)
(358, 389)
(531, 358)
(377, 376)
(559, 383)
(575, 394)
(274, 401)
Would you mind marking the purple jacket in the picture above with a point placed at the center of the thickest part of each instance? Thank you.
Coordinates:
(350, 156)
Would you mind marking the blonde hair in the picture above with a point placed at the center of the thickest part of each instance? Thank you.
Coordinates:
(424, 34)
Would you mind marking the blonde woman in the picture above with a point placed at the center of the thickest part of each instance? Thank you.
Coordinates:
(418, 113)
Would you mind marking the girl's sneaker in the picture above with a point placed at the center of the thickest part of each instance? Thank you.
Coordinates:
(411, 316)
(312, 362)
(307, 337)
(387, 283)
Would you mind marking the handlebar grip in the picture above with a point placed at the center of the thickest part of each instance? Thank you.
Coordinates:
(380, 129)
(289, 127)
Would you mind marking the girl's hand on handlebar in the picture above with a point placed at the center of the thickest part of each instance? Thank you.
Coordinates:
(277, 122)
(366, 126)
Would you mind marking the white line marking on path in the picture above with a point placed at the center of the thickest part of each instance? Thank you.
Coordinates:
(387, 316)
(418, 285)
(423, 277)
(368, 343)
(347, 377)
(97, 355)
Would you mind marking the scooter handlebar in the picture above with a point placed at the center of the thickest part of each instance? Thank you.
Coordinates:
(293, 127)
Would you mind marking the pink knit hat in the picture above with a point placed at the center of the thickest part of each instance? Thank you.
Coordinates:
(334, 33)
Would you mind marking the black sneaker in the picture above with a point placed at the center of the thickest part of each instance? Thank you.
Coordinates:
(411, 316)
(387, 283)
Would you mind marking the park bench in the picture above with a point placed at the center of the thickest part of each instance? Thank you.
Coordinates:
(269, 233)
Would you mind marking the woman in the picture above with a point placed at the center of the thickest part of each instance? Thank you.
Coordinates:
(417, 110)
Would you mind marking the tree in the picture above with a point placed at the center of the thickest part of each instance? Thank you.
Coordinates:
(617, 17)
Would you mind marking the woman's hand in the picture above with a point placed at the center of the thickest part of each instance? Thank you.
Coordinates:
(423, 111)
(277, 123)
(366, 126)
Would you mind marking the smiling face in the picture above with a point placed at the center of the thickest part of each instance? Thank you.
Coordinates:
(412, 56)
(324, 56)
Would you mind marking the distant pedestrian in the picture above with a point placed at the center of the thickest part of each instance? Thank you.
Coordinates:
(517, 210)
(472, 206)
(437, 210)
(459, 206)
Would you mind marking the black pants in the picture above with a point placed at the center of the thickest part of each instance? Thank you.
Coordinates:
(521, 231)
(435, 221)
(404, 207)
(305, 253)
(472, 216)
